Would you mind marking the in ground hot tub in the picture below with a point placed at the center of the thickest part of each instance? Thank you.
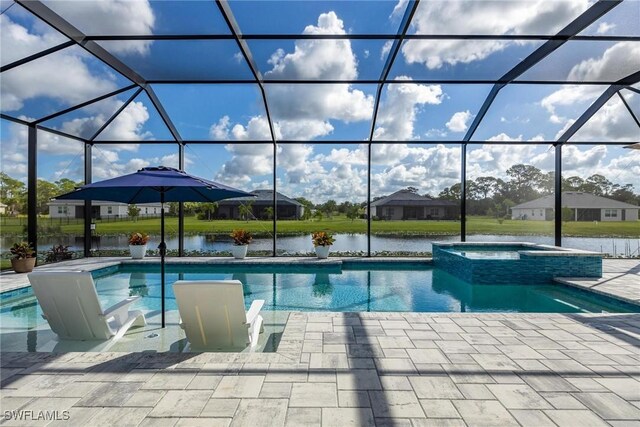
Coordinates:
(509, 263)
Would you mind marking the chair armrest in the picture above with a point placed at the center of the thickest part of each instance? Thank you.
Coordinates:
(120, 310)
(254, 310)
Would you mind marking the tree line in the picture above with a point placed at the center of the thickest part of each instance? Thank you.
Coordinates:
(486, 195)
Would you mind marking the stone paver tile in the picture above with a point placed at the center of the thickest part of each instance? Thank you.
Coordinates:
(562, 400)
(315, 395)
(359, 379)
(609, 406)
(395, 342)
(567, 368)
(220, 408)
(243, 386)
(455, 347)
(40, 385)
(181, 403)
(586, 384)
(144, 398)
(347, 417)
(427, 356)
(581, 418)
(353, 399)
(75, 389)
(532, 418)
(321, 376)
(495, 362)
(588, 357)
(438, 422)
(328, 361)
(260, 413)
(395, 404)
(170, 380)
(395, 366)
(203, 422)
(395, 382)
(518, 396)
(467, 373)
(606, 348)
(13, 403)
(439, 408)
(423, 335)
(303, 417)
(125, 417)
(546, 382)
(77, 416)
(519, 352)
(361, 363)
(275, 390)
(395, 352)
(204, 382)
(437, 387)
(110, 394)
(475, 391)
(626, 388)
(395, 324)
(287, 373)
(486, 413)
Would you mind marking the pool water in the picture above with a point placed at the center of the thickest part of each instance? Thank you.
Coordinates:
(411, 287)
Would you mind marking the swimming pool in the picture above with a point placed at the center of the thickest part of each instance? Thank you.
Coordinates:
(400, 287)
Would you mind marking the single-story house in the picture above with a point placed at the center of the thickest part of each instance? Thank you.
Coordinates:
(405, 204)
(100, 209)
(583, 206)
(288, 208)
(3, 208)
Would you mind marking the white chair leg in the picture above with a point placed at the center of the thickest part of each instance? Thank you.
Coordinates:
(256, 330)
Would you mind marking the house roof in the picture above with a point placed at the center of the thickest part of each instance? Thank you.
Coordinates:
(576, 199)
(54, 202)
(408, 198)
(262, 197)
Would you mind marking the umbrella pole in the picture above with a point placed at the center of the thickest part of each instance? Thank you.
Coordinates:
(163, 250)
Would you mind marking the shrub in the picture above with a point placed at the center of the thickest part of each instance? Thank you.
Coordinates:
(321, 238)
(241, 237)
(22, 250)
(138, 239)
(58, 253)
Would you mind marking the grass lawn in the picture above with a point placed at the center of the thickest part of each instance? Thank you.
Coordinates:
(341, 224)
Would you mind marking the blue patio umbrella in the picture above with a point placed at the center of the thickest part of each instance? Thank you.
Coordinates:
(152, 185)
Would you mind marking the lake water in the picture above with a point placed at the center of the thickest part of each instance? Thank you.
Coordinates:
(292, 245)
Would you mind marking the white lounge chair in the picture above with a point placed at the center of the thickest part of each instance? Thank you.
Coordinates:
(70, 304)
(213, 317)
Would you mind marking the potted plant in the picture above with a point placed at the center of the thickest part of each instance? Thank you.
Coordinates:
(322, 242)
(241, 239)
(138, 245)
(24, 257)
(59, 253)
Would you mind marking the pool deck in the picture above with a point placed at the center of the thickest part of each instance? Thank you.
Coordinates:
(340, 369)
(620, 278)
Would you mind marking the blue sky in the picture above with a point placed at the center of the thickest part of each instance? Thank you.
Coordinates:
(409, 113)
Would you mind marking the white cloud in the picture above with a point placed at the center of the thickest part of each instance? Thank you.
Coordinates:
(605, 27)
(129, 125)
(403, 101)
(307, 111)
(618, 61)
(480, 17)
(19, 42)
(459, 121)
(111, 17)
(611, 123)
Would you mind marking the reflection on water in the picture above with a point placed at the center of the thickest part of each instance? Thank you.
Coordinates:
(291, 245)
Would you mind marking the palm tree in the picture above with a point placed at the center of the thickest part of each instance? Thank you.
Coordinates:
(245, 210)
(269, 212)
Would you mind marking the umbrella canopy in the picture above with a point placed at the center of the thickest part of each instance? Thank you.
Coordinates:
(150, 185)
(153, 185)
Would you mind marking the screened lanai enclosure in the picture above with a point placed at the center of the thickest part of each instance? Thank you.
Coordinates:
(391, 124)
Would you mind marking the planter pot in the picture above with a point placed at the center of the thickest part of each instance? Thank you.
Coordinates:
(322, 252)
(138, 251)
(239, 251)
(24, 265)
